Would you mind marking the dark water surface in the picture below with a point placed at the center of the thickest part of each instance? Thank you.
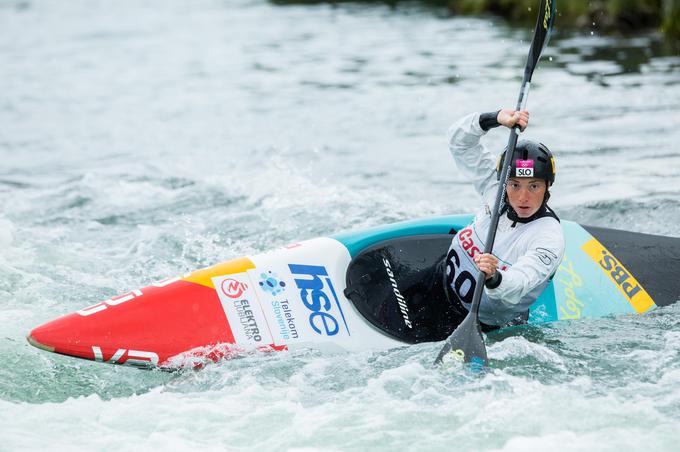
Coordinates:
(144, 139)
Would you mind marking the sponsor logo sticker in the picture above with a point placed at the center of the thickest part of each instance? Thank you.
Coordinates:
(401, 301)
(233, 288)
(525, 168)
(280, 312)
(243, 310)
(138, 358)
(636, 295)
(318, 295)
(270, 283)
(571, 283)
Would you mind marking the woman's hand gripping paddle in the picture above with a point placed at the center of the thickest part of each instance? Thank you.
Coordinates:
(466, 343)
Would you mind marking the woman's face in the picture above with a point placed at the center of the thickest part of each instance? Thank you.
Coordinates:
(526, 195)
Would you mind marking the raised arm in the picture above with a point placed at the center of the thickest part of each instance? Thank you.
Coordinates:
(474, 160)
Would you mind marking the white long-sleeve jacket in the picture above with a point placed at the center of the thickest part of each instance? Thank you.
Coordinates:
(528, 253)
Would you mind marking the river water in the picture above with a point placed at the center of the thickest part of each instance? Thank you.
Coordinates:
(141, 140)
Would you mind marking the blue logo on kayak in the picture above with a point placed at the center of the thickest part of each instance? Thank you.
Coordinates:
(270, 283)
(319, 296)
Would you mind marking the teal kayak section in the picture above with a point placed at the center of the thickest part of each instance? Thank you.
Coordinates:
(356, 241)
(579, 289)
(582, 288)
(544, 308)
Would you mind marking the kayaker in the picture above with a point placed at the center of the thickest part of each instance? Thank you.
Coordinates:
(529, 243)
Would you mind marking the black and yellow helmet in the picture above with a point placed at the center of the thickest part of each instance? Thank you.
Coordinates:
(531, 159)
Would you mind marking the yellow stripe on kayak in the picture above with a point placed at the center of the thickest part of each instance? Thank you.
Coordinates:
(204, 275)
(636, 295)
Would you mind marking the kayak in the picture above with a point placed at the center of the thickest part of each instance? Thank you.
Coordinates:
(373, 289)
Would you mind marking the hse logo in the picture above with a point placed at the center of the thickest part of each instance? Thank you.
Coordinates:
(233, 288)
(317, 292)
(136, 358)
(636, 295)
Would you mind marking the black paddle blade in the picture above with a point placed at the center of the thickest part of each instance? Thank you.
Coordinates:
(544, 25)
(465, 344)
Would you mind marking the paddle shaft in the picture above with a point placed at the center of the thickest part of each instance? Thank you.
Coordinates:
(500, 195)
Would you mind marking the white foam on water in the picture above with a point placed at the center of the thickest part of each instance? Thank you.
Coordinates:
(7, 231)
(519, 347)
(603, 440)
(301, 400)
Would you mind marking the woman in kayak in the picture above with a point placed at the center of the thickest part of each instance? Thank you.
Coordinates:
(529, 242)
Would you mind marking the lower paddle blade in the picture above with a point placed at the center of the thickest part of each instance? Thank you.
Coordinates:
(465, 344)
